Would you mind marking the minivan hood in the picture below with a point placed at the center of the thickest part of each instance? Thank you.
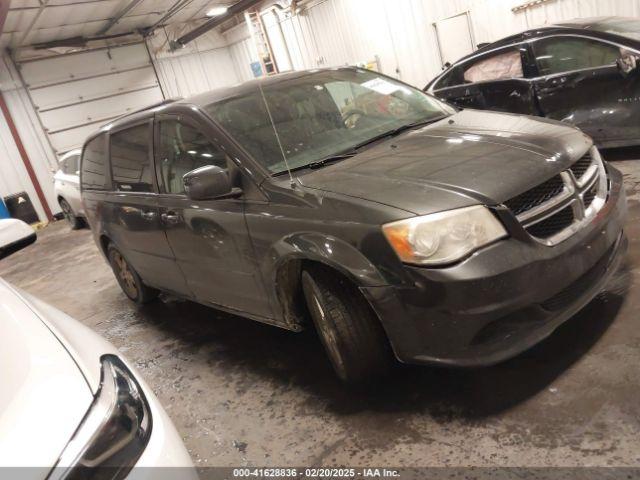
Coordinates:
(469, 158)
(44, 395)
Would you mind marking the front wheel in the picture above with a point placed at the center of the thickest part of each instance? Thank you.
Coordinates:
(71, 217)
(128, 279)
(347, 326)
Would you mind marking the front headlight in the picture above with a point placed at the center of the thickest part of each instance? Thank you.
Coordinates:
(443, 237)
(113, 433)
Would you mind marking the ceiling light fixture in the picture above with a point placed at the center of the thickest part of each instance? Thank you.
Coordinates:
(217, 11)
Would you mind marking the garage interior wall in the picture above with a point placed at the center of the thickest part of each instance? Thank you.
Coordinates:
(398, 34)
(204, 64)
(13, 174)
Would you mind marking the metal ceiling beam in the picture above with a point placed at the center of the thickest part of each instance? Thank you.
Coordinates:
(130, 6)
(175, 8)
(234, 9)
(4, 10)
(58, 5)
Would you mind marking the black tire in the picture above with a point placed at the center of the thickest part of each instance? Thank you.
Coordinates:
(128, 279)
(353, 338)
(75, 222)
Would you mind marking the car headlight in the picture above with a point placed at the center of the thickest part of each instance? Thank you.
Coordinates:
(113, 433)
(443, 237)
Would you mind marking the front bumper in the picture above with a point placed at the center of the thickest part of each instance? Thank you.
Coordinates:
(504, 299)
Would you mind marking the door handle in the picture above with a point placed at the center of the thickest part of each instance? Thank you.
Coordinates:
(170, 217)
(148, 215)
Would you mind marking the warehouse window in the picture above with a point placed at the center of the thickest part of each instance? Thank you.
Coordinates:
(183, 149)
(130, 159)
(566, 54)
(94, 164)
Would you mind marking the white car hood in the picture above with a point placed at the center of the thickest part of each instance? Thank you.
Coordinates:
(13, 230)
(44, 394)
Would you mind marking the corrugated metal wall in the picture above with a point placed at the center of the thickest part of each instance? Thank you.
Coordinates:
(204, 64)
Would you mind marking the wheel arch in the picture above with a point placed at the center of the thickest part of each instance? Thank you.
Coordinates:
(288, 258)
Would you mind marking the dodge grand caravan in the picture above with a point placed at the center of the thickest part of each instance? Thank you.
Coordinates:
(349, 201)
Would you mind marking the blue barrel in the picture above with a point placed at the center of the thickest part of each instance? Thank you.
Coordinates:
(4, 213)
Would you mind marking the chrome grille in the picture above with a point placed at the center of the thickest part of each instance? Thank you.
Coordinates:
(581, 166)
(536, 196)
(557, 208)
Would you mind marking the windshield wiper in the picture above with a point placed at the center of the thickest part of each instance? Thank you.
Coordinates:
(323, 161)
(396, 131)
(331, 158)
(354, 150)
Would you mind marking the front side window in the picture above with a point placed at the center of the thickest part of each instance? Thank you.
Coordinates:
(130, 159)
(566, 54)
(500, 66)
(94, 163)
(184, 148)
(320, 114)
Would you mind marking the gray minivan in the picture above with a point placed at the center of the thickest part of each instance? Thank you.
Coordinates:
(396, 224)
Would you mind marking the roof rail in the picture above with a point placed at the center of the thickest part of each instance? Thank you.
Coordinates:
(166, 101)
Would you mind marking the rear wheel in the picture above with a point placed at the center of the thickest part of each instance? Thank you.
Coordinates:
(67, 211)
(128, 278)
(347, 326)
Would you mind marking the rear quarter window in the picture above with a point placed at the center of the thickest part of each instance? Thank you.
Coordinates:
(94, 164)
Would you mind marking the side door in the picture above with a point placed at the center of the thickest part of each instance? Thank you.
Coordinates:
(134, 219)
(495, 80)
(209, 238)
(579, 82)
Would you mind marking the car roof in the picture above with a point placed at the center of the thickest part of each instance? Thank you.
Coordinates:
(595, 24)
(590, 22)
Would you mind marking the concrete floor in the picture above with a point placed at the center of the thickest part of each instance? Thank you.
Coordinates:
(242, 393)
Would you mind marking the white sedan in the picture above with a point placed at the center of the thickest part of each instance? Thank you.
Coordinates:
(72, 404)
(66, 183)
(14, 235)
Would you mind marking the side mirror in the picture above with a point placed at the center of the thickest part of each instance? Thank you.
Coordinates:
(208, 182)
(627, 64)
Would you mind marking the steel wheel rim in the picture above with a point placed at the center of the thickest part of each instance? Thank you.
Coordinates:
(330, 339)
(125, 275)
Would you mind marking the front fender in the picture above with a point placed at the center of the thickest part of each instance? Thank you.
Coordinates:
(326, 249)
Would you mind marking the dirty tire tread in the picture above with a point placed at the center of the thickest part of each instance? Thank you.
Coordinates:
(145, 294)
(360, 337)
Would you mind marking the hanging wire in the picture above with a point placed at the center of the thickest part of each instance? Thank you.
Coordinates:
(275, 130)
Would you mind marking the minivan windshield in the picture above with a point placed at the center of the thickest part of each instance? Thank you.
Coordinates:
(322, 115)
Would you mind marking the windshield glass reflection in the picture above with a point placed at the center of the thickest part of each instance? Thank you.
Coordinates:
(321, 114)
